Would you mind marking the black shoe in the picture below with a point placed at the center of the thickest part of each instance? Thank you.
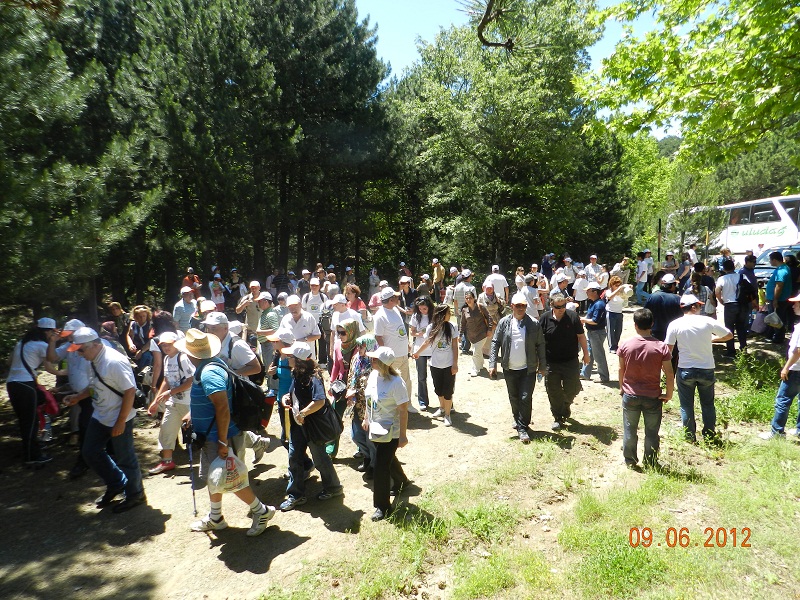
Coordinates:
(78, 470)
(380, 514)
(523, 436)
(398, 489)
(369, 474)
(130, 503)
(39, 461)
(109, 497)
(362, 468)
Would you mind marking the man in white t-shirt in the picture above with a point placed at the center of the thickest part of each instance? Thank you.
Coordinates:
(499, 282)
(736, 316)
(648, 259)
(390, 331)
(694, 333)
(340, 313)
(184, 309)
(112, 390)
(301, 323)
(790, 384)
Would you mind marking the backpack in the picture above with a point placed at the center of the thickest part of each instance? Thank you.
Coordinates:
(250, 408)
(745, 291)
(326, 315)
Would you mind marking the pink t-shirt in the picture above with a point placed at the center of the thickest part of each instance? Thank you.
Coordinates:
(643, 358)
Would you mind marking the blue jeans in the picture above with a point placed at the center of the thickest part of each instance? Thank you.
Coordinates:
(641, 295)
(614, 321)
(596, 339)
(297, 457)
(422, 380)
(361, 440)
(633, 407)
(783, 402)
(123, 470)
(702, 380)
(520, 386)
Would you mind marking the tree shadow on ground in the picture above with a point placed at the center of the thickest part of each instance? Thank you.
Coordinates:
(461, 424)
(603, 433)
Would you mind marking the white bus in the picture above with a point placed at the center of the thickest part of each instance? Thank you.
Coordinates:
(760, 224)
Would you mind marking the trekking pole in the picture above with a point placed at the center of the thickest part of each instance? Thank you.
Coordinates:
(188, 439)
(286, 424)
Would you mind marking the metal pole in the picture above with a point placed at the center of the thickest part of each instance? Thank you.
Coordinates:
(708, 233)
(659, 243)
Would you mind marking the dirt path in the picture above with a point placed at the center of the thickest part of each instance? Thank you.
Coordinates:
(57, 545)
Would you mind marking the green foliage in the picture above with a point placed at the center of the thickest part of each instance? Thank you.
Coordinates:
(487, 522)
(754, 381)
(478, 577)
(726, 70)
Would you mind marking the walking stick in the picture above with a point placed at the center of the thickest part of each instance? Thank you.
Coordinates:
(188, 440)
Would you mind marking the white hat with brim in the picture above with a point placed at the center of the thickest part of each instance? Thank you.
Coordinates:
(668, 279)
(282, 335)
(82, 336)
(186, 290)
(561, 277)
(313, 281)
(299, 350)
(207, 306)
(46, 323)
(167, 337)
(690, 300)
(216, 318)
(254, 284)
(291, 300)
(384, 354)
(339, 299)
(387, 293)
(71, 326)
(199, 344)
(593, 285)
(235, 327)
(265, 296)
(794, 298)
(519, 298)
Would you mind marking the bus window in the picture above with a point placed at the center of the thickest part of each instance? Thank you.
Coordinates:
(790, 206)
(739, 216)
(764, 213)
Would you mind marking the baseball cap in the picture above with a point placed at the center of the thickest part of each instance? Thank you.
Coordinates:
(46, 323)
(283, 296)
(382, 283)
(168, 337)
(82, 336)
(669, 253)
(519, 298)
(305, 272)
(425, 277)
(339, 299)
(567, 259)
(71, 326)
(435, 261)
(387, 293)
(264, 296)
(254, 284)
(216, 318)
(668, 279)
(348, 268)
(561, 277)
(453, 270)
(690, 300)
(593, 285)
(235, 327)
(593, 256)
(529, 277)
(405, 279)
(534, 266)
(331, 267)
(217, 276)
(646, 250)
(291, 300)
(466, 273)
(282, 335)
(495, 268)
(402, 264)
(299, 350)
(207, 306)
(313, 281)
(186, 290)
(383, 354)
(795, 298)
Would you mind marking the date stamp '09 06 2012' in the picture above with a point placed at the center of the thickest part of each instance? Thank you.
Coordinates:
(713, 537)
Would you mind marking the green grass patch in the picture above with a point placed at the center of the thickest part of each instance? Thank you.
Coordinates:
(755, 382)
(479, 577)
(488, 522)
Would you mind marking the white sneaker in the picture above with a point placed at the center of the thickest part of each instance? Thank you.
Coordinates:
(473, 373)
(259, 447)
(439, 412)
(260, 522)
(413, 409)
(209, 524)
(768, 435)
(447, 421)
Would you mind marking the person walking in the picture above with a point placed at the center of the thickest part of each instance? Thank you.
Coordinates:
(642, 359)
(440, 336)
(477, 325)
(790, 384)
(595, 324)
(519, 341)
(423, 311)
(694, 333)
(386, 420)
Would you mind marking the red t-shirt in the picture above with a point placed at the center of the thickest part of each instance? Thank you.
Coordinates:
(643, 357)
(357, 304)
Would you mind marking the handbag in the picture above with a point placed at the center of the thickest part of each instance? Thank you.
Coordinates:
(322, 426)
(139, 398)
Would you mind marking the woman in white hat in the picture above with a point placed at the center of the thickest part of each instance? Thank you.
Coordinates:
(306, 396)
(386, 420)
(28, 356)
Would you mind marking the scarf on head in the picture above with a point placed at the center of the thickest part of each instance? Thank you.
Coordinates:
(362, 365)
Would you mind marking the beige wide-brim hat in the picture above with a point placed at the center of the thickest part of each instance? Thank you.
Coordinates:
(199, 344)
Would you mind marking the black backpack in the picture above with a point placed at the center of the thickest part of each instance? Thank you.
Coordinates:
(745, 291)
(249, 405)
(257, 378)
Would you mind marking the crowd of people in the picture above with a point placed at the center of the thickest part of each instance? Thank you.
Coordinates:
(327, 356)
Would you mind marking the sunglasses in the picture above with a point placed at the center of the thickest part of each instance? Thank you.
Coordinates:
(341, 332)
(520, 305)
(560, 307)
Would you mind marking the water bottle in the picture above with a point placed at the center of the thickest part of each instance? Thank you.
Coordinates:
(539, 377)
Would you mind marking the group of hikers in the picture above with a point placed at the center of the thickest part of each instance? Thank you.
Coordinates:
(322, 354)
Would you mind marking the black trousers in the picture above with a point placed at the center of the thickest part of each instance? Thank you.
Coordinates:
(736, 318)
(563, 384)
(387, 471)
(24, 400)
(520, 386)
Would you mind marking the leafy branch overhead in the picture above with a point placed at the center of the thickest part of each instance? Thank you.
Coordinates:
(485, 13)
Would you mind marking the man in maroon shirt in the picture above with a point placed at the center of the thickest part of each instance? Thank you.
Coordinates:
(641, 362)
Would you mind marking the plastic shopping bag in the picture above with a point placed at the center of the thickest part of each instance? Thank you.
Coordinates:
(227, 475)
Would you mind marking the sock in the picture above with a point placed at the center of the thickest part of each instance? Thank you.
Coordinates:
(216, 511)
(257, 507)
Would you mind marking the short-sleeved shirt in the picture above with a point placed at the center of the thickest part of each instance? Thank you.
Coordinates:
(497, 281)
(116, 371)
(349, 313)
(177, 369)
(235, 352)
(693, 335)
(561, 337)
(382, 397)
(460, 291)
(596, 313)
(270, 319)
(783, 274)
(727, 284)
(390, 326)
(442, 354)
(794, 344)
(305, 326)
(252, 313)
(643, 357)
(79, 371)
(35, 355)
(213, 378)
(182, 313)
(420, 323)
(314, 304)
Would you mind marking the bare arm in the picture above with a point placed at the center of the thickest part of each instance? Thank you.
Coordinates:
(124, 411)
(666, 367)
(222, 414)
